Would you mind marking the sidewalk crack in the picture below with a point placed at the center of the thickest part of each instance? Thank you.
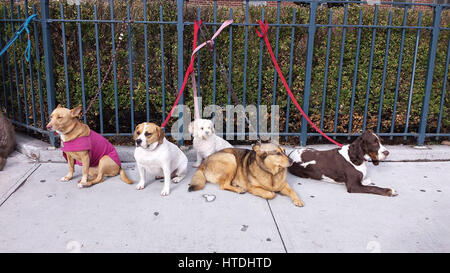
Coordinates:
(276, 225)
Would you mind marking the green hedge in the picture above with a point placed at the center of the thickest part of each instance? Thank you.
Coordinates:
(298, 69)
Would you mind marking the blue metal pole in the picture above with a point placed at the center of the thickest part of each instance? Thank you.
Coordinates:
(48, 59)
(309, 59)
(430, 72)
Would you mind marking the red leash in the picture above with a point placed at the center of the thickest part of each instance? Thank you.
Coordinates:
(263, 34)
(191, 67)
(186, 76)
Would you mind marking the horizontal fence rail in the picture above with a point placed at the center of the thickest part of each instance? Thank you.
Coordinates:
(352, 65)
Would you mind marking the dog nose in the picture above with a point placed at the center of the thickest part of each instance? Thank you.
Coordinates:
(49, 127)
(138, 141)
(386, 153)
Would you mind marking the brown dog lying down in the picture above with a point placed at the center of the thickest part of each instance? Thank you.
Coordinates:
(7, 139)
(346, 165)
(261, 171)
(85, 147)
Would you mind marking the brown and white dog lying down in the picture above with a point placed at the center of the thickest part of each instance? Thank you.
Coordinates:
(85, 147)
(260, 171)
(7, 139)
(343, 165)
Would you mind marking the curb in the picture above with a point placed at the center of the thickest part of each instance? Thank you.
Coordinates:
(43, 152)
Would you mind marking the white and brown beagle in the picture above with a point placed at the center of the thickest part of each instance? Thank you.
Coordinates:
(156, 156)
(343, 165)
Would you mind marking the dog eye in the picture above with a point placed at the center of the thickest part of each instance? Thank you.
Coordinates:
(147, 134)
(138, 133)
(201, 128)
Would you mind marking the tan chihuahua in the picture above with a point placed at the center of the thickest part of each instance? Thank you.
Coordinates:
(83, 146)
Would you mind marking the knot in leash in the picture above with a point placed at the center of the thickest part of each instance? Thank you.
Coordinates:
(23, 27)
(264, 28)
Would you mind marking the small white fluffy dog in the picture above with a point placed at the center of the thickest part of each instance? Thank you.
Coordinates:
(206, 142)
(157, 156)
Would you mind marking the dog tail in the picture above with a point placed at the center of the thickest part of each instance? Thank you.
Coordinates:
(198, 181)
(124, 177)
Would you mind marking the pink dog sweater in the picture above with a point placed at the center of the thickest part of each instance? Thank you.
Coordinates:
(97, 145)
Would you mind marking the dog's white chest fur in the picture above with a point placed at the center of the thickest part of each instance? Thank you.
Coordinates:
(211, 144)
(164, 155)
(362, 168)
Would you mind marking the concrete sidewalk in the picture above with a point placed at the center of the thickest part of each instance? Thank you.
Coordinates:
(46, 215)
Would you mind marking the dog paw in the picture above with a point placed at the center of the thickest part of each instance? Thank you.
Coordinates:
(177, 179)
(299, 203)
(140, 186)
(66, 178)
(165, 192)
(83, 185)
(392, 192)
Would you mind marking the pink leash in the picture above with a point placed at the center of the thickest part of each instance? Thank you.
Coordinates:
(191, 69)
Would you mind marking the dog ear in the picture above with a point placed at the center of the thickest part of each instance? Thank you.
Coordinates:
(355, 152)
(75, 112)
(160, 135)
(59, 106)
(135, 135)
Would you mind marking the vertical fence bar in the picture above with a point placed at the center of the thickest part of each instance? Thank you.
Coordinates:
(355, 75)
(39, 77)
(30, 71)
(163, 89)
(230, 55)
(2, 58)
(259, 77)
(230, 63)
(291, 59)
(430, 72)
(147, 94)
(199, 93)
(444, 87)
(383, 80)
(25, 92)
(66, 74)
(325, 79)
(244, 88)
(113, 44)
(99, 73)
(180, 47)
(369, 78)
(48, 58)
(24, 78)
(80, 47)
(16, 68)
(214, 65)
(309, 58)
(130, 68)
(341, 61)
(11, 95)
(275, 76)
(399, 70)
(416, 50)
